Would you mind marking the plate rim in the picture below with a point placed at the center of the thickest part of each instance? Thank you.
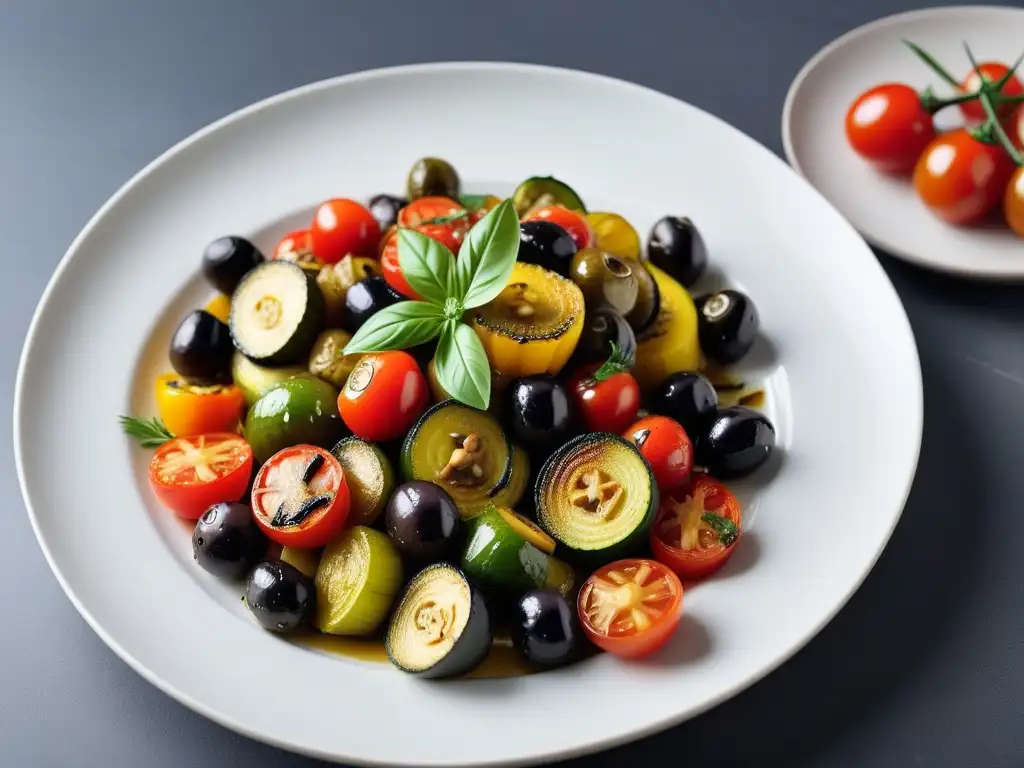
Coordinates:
(593, 746)
(965, 271)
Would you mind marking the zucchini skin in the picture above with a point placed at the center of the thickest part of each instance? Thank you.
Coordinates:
(628, 545)
(314, 320)
(496, 557)
(469, 650)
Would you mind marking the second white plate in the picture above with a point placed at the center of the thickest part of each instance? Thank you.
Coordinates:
(886, 211)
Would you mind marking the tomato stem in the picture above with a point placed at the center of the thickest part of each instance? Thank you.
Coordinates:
(996, 129)
(932, 63)
(933, 103)
(1009, 73)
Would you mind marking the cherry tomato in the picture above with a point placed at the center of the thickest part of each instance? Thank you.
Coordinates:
(419, 213)
(888, 127)
(697, 528)
(297, 247)
(993, 72)
(190, 474)
(667, 448)
(300, 497)
(384, 396)
(449, 234)
(341, 227)
(630, 607)
(570, 221)
(1015, 127)
(393, 270)
(1013, 202)
(961, 179)
(190, 409)
(605, 406)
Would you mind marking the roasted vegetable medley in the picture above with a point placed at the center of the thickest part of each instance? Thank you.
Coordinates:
(379, 438)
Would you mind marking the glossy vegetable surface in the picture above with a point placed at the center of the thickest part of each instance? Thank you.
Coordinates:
(596, 497)
(279, 596)
(371, 480)
(227, 260)
(340, 227)
(423, 521)
(254, 379)
(300, 497)
(201, 348)
(571, 221)
(992, 72)
(602, 327)
(301, 410)
(671, 344)
(384, 396)
(327, 359)
(385, 209)
(359, 577)
(889, 127)
(688, 398)
(441, 627)
(609, 405)
(666, 447)
(532, 326)
(631, 607)
(960, 178)
(1013, 202)
(196, 409)
(432, 176)
(676, 246)
(738, 442)
(190, 474)
(365, 299)
(334, 281)
(613, 234)
(540, 191)
(297, 248)
(648, 299)
(697, 528)
(226, 541)
(546, 628)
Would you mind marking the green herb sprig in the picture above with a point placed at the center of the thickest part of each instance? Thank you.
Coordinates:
(150, 433)
(449, 288)
(617, 362)
(726, 529)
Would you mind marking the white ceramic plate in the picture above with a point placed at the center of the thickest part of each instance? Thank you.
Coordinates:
(838, 359)
(886, 210)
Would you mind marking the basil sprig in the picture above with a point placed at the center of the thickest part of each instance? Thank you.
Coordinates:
(449, 287)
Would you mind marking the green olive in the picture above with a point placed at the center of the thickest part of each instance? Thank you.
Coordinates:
(432, 176)
(605, 279)
(327, 361)
(648, 300)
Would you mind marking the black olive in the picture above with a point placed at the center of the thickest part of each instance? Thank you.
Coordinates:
(201, 348)
(602, 326)
(227, 542)
(676, 246)
(422, 520)
(227, 260)
(545, 628)
(432, 176)
(546, 244)
(689, 398)
(279, 595)
(365, 299)
(738, 441)
(539, 411)
(727, 324)
(385, 209)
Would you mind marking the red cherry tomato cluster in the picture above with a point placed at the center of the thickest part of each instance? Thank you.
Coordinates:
(965, 174)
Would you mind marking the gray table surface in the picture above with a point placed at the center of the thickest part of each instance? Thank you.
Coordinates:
(925, 666)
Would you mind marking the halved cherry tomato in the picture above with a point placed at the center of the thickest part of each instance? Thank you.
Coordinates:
(189, 409)
(570, 221)
(697, 528)
(393, 270)
(630, 607)
(1013, 202)
(342, 226)
(605, 406)
(384, 396)
(190, 474)
(427, 208)
(297, 247)
(479, 205)
(993, 72)
(888, 126)
(301, 497)
(960, 178)
(667, 448)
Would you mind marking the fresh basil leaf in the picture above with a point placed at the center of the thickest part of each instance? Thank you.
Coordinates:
(399, 326)
(473, 202)
(427, 265)
(461, 365)
(488, 255)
